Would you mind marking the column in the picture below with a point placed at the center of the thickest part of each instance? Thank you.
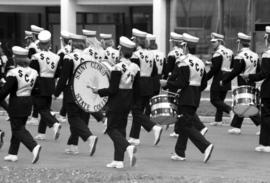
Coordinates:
(68, 15)
(159, 23)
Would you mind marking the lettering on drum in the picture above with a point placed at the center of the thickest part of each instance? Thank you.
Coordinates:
(81, 102)
(99, 106)
(99, 67)
(80, 71)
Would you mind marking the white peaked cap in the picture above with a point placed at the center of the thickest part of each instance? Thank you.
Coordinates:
(125, 42)
(267, 29)
(77, 37)
(175, 36)
(215, 36)
(28, 34)
(105, 36)
(150, 37)
(44, 36)
(90, 33)
(36, 29)
(243, 36)
(65, 34)
(138, 33)
(17, 50)
(190, 38)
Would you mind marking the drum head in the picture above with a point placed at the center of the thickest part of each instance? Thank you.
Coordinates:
(87, 75)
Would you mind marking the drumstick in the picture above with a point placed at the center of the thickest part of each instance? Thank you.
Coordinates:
(88, 86)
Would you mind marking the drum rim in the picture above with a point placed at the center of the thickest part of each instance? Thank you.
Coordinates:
(163, 95)
(72, 81)
(244, 86)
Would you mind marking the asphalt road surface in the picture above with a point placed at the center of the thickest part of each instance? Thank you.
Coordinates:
(233, 155)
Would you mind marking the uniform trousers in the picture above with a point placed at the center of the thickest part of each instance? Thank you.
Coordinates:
(139, 117)
(78, 121)
(198, 124)
(187, 130)
(35, 111)
(43, 105)
(20, 135)
(4, 105)
(63, 110)
(217, 98)
(117, 123)
(238, 121)
(265, 123)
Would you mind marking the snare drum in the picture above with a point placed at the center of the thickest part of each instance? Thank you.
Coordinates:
(164, 108)
(245, 101)
(87, 75)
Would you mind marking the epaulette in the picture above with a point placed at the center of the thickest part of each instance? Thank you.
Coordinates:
(238, 57)
(11, 72)
(68, 56)
(217, 54)
(182, 64)
(135, 55)
(60, 51)
(34, 56)
(135, 67)
(266, 54)
(117, 68)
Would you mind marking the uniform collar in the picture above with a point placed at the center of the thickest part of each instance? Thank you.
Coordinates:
(77, 50)
(244, 49)
(125, 60)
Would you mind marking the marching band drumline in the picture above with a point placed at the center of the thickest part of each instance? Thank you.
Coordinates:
(158, 90)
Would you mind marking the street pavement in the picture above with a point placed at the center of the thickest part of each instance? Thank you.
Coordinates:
(233, 155)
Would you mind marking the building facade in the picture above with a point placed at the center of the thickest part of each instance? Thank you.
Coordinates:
(160, 17)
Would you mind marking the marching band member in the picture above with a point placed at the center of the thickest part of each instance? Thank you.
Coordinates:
(112, 54)
(33, 48)
(120, 92)
(77, 118)
(245, 62)
(45, 63)
(221, 66)
(3, 65)
(66, 49)
(20, 83)
(97, 53)
(264, 74)
(93, 46)
(171, 64)
(159, 57)
(174, 54)
(148, 71)
(191, 79)
(160, 61)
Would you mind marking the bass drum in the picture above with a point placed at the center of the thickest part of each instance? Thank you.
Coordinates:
(88, 75)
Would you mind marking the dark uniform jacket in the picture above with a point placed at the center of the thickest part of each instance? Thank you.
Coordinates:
(61, 53)
(190, 78)
(71, 62)
(263, 74)
(170, 61)
(46, 64)
(148, 72)
(20, 83)
(245, 62)
(120, 90)
(221, 64)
